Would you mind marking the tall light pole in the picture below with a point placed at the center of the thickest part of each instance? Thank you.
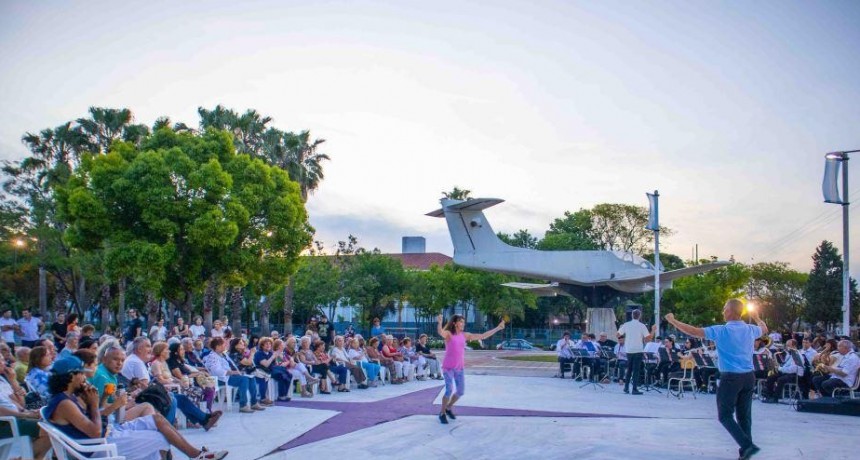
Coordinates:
(835, 160)
(654, 225)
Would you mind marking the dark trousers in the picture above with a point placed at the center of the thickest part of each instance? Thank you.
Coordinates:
(775, 383)
(734, 405)
(30, 343)
(665, 367)
(564, 363)
(634, 362)
(825, 385)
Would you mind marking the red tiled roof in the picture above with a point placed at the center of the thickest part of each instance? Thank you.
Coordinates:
(422, 261)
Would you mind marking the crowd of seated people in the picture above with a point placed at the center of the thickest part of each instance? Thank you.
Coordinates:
(132, 387)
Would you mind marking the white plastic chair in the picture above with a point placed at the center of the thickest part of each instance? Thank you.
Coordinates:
(852, 391)
(25, 448)
(65, 447)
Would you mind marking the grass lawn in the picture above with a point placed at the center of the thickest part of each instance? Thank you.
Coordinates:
(537, 358)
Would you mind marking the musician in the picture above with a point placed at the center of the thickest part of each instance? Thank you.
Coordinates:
(565, 355)
(620, 351)
(605, 342)
(761, 358)
(668, 360)
(788, 372)
(841, 375)
(693, 347)
(737, 381)
(593, 361)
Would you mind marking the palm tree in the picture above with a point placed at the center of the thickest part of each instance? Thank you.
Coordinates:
(458, 194)
(104, 126)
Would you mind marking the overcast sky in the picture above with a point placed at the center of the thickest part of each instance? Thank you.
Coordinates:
(726, 107)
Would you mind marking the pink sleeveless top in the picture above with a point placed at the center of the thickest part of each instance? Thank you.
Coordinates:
(455, 352)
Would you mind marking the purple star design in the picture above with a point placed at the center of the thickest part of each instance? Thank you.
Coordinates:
(356, 416)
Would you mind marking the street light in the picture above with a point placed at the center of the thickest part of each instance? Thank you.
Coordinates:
(750, 309)
(831, 195)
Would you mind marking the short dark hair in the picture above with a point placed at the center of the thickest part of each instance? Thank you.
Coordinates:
(36, 355)
(86, 356)
(58, 383)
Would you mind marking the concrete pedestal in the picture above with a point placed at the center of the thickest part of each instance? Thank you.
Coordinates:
(601, 320)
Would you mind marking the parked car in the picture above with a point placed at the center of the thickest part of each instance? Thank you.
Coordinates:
(515, 344)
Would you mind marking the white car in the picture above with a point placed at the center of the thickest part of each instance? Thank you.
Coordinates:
(515, 344)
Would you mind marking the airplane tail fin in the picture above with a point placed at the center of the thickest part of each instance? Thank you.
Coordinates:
(470, 231)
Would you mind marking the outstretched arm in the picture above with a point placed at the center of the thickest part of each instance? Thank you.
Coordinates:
(486, 335)
(439, 330)
(685, 328)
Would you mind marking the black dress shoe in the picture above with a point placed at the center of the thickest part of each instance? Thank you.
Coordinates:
(637, 392)
(443, 419)
(749, 452)
(626, 390)
(450, 414)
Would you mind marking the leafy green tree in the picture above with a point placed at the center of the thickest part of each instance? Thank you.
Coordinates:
(823, 290)
(569, 233)
(373, 281)
(458, 194)
(699, 299)
(779, 293)
(520, 239)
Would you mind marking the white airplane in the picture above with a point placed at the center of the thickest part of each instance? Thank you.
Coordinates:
(596, 277)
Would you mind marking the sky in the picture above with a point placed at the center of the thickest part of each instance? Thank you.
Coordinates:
(727, 108)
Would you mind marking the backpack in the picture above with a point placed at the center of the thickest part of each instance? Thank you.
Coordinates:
(156, 395)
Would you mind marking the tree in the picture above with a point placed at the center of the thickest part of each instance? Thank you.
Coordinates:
(569, 233)
(699, 299)
(458, 194)
(823, 291)
(778, 291)
(373, 281)
(520, 239)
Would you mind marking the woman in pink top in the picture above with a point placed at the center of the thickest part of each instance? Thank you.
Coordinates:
(454, 361)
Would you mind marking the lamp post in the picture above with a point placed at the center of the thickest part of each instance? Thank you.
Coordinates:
(831, 195)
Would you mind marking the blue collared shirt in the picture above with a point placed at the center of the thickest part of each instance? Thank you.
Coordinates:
(734, 341)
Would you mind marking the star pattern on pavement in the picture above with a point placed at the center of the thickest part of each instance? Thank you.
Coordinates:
(355, 416)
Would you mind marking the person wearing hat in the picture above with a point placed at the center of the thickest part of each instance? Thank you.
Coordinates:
(74, 410)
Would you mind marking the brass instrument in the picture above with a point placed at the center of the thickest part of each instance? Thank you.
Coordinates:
(822, 360)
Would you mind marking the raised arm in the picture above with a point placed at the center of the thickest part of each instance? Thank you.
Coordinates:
(758, 322)
(439, 330)
(486, 335)
(684, 327)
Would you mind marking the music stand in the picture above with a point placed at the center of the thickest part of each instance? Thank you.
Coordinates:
(577, 355)
(584, 354)
(650, 358)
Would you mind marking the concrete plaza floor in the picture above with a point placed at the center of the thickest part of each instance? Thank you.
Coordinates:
(598, 424)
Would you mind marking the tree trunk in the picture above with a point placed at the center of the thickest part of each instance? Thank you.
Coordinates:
(81, 296)
(236, 311)
(209, 297)
(188, 308)
(104, 304)
(60, 296)
(43, 292)
(171, 312)
(288, 306)
(152, 309)
(265, 309)
(120, 309)
(222, 303)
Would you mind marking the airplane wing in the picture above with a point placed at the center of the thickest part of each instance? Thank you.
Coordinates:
(540, 290)
(694, 270)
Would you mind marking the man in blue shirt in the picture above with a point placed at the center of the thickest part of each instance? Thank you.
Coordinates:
(737, 380)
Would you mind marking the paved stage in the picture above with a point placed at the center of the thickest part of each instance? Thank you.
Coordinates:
(520, 417)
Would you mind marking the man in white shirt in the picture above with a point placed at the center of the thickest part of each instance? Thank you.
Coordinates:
(635, 335)
(788, 373)
(565, 355)
(841, 375)
(30, 328)
(7, 329)
(134, 366)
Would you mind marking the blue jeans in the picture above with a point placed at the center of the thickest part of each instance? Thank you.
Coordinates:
(191, 411)
(245, 385)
